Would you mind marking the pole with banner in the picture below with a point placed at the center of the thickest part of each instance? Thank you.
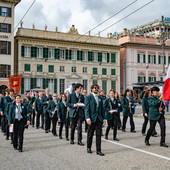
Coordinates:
(15, 82)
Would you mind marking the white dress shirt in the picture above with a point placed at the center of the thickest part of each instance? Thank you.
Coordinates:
(17, 111)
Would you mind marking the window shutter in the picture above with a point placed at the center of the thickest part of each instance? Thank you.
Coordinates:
(138, 58)
(9, 28)
(154, 59)
(57, 53)
(78, 55)
(45, 52)
(22, 86)
(70, 56)
(164, 59)
(94, 70)
(154, 78)
(108, 57)
(22, 51)
(113, 85)
(159, 59)
(45, 83)
(99, 57)
(90, 56)
(169, 59)
(104, 86)
(138, 79)
(39, 68)
(149, 79)
(27, 67)
(144, 58)
(149, 59)
(104, 71)
(55, 85)
(9, 48)
(81, 55)
(32, 79)
(51, 69)
(144, 79)
(113, 58)
(113, 71)
(34, 52)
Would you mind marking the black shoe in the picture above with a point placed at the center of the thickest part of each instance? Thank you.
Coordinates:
(143, 134)
(72, 142)
(147, 143)
(32, 125)
(60, 137)
(164, 145)
(7, 138)
(46, 131)
(89, 150)
(15, 147)
(100, 153)
(155, 135)
(106, 137)
(42, 127)
(55, 134)
(80, 143)
(123, 130)
(20, 150)
(116, 139)
(133, 131)
(119, 128)
(67, 139)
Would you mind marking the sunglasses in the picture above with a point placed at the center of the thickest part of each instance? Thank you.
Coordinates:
(96, 88)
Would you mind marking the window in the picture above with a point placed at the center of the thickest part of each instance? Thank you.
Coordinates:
(113, 58)
(27, 67)
(95, 81)
(84, 69)
(5, 47)
(152, 59)
(141, 58)
(73, 69)
(51, 85)
(39, 52)
(51, 53)
(39, 68)
(51, 69)
(94, 70)
(62, 85)
(95, 57)
(27, 52)
(162, 59)
(85, 55)
(104, 57)
(104, 71)
(113, 72)
(104, 86)
(40, 83)
(141, 79)
(27, 83)
(161, 79)
(5, 70)
(152, 79)
(74, 55)
(85, 85)
(62, 54)
(5, 27)
(113, 85)
(62, 69)
(5, 12)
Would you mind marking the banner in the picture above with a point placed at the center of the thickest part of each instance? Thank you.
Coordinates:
(15, 82)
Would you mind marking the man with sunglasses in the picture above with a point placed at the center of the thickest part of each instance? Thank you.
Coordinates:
(76, 112)
(94, 114)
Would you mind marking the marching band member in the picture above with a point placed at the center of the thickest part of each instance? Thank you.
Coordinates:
(63, 116)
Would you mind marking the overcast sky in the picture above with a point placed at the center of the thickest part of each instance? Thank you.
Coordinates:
(85, 14)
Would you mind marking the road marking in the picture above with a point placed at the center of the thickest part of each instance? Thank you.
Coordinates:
(136, 149)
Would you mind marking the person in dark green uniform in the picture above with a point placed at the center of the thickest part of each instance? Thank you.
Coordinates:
(29, 106)
(111, 110)
(120, 110)
(156, 114)
(52, 111)
(63, 116)
(18, 116)
(76, 113)
(127, 111)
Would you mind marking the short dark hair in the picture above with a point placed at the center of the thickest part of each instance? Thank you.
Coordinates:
(155, 89)
(78, 85)
(112, 91)
(35, 91)
(11, 90)
(18, 95)
(29, 98)
(125, 93)
(146, 94)
(92, 87)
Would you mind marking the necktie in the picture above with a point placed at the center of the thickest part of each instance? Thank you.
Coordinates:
(19, 112)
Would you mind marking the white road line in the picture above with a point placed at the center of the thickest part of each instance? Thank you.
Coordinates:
(136, 149)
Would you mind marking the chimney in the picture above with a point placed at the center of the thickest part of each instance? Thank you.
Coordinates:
(125, 31)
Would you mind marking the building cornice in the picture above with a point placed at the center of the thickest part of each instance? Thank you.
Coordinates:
(12, 1)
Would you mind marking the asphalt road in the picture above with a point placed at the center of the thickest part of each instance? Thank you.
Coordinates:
(44, 151)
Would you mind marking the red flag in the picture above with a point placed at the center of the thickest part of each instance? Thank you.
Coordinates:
(15, 82)
(166, 89)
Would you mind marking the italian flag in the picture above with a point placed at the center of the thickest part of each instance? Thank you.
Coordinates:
(166, 89)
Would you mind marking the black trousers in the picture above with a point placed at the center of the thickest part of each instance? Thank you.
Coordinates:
(19, 133)
(161, 122)
(33, 117)
(132, 125)
(112, 123)
(145, 125)
(77, 121)
(66, 128)
(54, 123)
(7, 127)
(119, 121)
(38, 120)
(86, 126)
(97, 126)
(3, 123)
(42, 120)
(47, 121)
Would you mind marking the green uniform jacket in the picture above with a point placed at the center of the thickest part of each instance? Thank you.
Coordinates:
(38, 107)
(51, 107)
(24, 113)
(91, 110)
(29, 106)
(72, 99)
(145, 106)
(44, 102)
(154, 104)
(2, 104)
(125, 106)
(107, 108)
(7, 103)
(62, 112)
